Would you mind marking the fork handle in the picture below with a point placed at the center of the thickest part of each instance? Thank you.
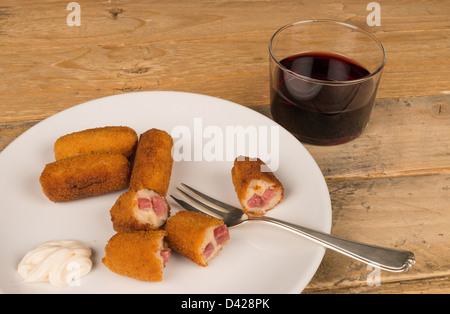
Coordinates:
(384, 258)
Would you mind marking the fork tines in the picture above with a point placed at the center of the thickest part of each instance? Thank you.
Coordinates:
(203, 203)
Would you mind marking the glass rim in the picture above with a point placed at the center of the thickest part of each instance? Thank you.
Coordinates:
(306, 78)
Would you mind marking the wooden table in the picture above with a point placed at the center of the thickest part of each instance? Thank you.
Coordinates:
(390, 187)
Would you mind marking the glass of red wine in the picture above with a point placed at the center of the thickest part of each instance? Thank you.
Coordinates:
(324, 77)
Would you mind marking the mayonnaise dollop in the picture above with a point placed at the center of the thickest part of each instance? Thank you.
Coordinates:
(61, 262)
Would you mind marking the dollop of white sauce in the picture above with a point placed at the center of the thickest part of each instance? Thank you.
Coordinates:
(61, 262)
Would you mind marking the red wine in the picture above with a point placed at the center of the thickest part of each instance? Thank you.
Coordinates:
(318, 113)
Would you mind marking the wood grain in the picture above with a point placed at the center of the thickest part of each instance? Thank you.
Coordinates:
(405, 212)
(9, 132)
(217, 48)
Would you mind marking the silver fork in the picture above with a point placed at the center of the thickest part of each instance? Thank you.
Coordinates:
(392, 260)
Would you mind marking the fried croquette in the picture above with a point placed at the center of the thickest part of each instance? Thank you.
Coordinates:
(153, 162)
(257, 188)
(197, 236)
(139, 210)
(140, 255)
(85, 175)
(114, 139)
(144, 206)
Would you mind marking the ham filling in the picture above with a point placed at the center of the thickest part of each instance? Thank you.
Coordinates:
(215, 238)
(261, 196)
(208, 249)
(155, 203)
(144, 203)
(165, 254)
(261, 200)
(151, 208)
(159, 206)
(221, 234)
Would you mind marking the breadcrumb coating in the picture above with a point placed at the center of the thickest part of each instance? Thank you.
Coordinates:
(85, 175)
(122, 213)
(245, 170)
(136, 255)
(153, 162)
(114, 139)
(186, 234)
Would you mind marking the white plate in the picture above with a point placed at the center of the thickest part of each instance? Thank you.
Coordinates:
(258, 258)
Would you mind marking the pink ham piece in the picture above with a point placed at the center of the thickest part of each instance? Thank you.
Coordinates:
(156, 203)
(144, 203)
(255, 201)
(159, 206)
(165, 254)
(259, 201)
(268, 194)
(221, 234)
(208, 249)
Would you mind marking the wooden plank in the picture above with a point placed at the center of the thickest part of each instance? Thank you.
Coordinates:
(133, 46)
(422, 286)
(405, 136)
(406, 213)
(9, 132)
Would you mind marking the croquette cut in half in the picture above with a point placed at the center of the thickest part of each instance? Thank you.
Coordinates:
(257, 188)
(196, 236)
(144, 206)
(113, 139)
(139, 210)
(140, 255)
(84, 176)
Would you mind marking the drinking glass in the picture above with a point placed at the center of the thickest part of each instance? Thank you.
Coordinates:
(324, 76)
